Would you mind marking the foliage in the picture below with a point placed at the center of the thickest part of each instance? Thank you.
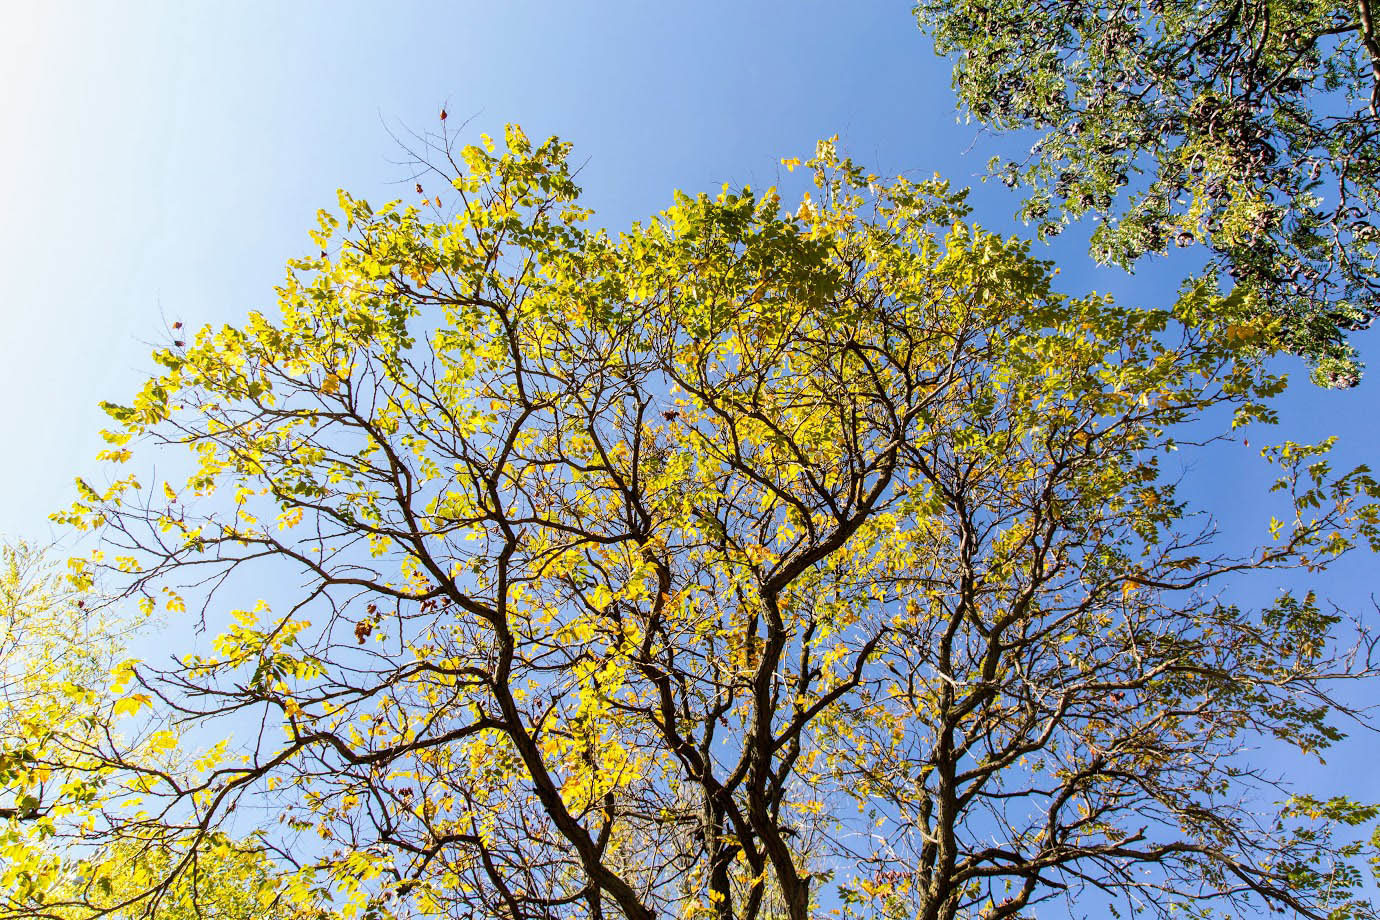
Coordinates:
(1248, 126)
(54, 655)
(756, 562)
(56, 715)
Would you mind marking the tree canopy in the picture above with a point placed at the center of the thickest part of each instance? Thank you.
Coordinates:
(1247, 126)
(60, 739)
(763, 560)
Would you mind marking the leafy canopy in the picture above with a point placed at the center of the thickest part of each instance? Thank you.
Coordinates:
(1247, 126)
(759, 561)
(68, 753)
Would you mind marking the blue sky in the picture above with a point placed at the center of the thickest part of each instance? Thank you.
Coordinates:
(161, 161)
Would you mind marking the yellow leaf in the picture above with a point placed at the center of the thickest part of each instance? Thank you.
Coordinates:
(131, 704)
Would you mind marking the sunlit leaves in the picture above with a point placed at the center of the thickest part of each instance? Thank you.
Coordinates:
(787, 533)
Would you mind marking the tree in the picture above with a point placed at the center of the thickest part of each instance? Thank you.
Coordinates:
(756, 562)
(53, 655)
(47, 639)
(1247, 126)
(57, 715)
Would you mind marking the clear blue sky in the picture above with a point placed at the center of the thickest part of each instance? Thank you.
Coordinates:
(161, 161)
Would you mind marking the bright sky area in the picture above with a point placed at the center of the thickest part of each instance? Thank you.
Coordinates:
(161, 161)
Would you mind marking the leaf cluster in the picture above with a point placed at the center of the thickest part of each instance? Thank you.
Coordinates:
(1248, 127)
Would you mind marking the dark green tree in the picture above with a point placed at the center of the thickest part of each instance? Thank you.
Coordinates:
(1246, 126)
